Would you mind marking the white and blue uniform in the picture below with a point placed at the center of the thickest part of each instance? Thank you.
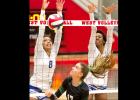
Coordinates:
(44, 65)
(92, 81)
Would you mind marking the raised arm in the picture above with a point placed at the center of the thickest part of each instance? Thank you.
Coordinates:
(38, 46)
(109, 42)
(92, 49)
(58, 35)
(59, 6)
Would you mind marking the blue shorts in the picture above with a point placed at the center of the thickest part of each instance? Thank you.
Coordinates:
(93, 87)
(34, 89)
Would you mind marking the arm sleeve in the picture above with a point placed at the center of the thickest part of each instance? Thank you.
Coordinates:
(92, 49)
(85, 94)
(57, 39)
(109, 36)
(38, 46)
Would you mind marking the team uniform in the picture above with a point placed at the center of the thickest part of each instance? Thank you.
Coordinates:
(44, 65)
(100, 82)
(80, 92)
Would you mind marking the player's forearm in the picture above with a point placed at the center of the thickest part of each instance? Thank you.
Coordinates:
(93, 30)
(109, 28)
(108, 45)
(60, 13)
(57, 40)
(58, 36)
(39, 40)
(58, 93)
(92, 39)
(42, 18)
(109, 42)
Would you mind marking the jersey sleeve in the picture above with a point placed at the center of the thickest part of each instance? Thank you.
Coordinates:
(109, 42)
(85, 93)
(57, 39)
(38, 46)
(92, 49)
(62, 88)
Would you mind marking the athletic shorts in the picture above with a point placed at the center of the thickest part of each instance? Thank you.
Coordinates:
(34, 89)
(93, 87)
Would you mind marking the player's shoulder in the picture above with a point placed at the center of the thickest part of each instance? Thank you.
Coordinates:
(84, 87)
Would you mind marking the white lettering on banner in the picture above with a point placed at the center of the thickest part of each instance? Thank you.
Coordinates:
(78, 23)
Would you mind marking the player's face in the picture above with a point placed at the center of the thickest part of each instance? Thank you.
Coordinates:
(76, 71)
(99, 39)
(47, 43)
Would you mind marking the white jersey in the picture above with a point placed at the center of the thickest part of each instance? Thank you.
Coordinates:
(93, 52)
(44, 65)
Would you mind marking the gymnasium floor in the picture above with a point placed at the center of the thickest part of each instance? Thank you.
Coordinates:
(66, 62)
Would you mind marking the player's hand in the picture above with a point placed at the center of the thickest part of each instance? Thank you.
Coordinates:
(109, 9)
(91, 8)
(59, 5)
(45, 4)
(48, 93)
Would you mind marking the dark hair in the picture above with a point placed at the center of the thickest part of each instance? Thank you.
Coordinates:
(84, 70)
(50, 36)
(49, 33)
(103, 34)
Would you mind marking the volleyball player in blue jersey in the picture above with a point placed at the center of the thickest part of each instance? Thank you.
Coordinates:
(45, 54)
